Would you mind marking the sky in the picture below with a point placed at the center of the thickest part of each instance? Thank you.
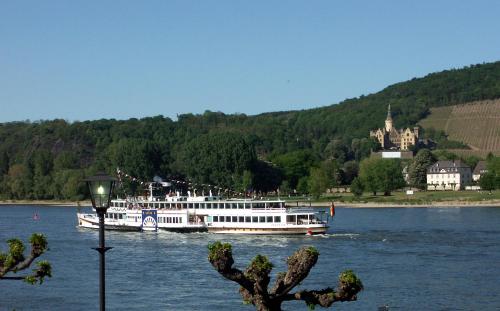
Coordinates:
(87, 60)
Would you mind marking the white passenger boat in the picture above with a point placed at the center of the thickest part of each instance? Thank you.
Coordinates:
(206, 213)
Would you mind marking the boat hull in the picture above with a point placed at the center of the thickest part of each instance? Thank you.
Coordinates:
(269, 231)
(90, 221)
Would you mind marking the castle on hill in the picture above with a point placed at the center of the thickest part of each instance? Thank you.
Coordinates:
(392, 138)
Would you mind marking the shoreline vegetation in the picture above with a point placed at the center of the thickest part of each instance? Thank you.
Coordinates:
(347, 200)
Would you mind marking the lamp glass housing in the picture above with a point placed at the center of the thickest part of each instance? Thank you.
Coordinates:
(101, 187)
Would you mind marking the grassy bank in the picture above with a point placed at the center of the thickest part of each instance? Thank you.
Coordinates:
(419, 198)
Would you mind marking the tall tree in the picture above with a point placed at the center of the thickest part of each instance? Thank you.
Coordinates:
(381, 175)
(369, 175)
(417, 170)
(254, 281)
(357, 187)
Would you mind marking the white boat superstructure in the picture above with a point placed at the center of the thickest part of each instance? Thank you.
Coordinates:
(207, 213)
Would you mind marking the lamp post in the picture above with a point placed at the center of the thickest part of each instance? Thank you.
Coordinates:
(101, 187)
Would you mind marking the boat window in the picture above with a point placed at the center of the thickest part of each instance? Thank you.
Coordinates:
(302, 218)
(240, 205)
(248, 219)
(277, 218)
(241, 219)
(255, 219)
(234, 205)
(215, 219)
(190, 205)
(247, 205)
(196, 205)
(220, 205)
(269, 218)
(235, 219)
(228, 218)
(262, 218)
(291, 218)
(259, 205)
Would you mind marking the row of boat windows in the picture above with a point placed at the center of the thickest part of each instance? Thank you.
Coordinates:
(246, 219)
(169, 220)
(113, 216)
(231, 205)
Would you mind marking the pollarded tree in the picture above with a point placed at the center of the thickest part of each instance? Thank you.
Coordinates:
(14, 260)
(254, 281)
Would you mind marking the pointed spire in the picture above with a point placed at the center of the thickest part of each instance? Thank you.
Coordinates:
(389, 112)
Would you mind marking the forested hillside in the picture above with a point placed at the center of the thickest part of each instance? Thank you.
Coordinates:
(48, 159)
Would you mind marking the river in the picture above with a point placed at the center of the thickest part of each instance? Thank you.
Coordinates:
(408, 259)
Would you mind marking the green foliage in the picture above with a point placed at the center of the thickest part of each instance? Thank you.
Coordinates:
(488, 182)
(381, 175)
(260, 263)
(39, 241)
(417, 170)
(15, 254)
(312, 251)
(295, 165)
(348, 277)
(444, 155)
(217, 248)
(14, 260)
(303, 185)
(357, 187)
(441, 140)
(323, 178)
(44, 270)
(318, 182)
(219, 159)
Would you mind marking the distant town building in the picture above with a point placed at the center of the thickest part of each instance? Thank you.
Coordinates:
(448, 175)
(393, 154)
(479, 170)
(392, 138)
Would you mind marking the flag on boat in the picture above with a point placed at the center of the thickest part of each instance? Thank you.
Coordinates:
(332, 209)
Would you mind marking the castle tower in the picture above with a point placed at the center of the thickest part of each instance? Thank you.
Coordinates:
(388, 120)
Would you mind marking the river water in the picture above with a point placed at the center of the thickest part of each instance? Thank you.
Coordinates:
(407, 258)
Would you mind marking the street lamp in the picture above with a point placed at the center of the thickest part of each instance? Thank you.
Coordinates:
(101, 187)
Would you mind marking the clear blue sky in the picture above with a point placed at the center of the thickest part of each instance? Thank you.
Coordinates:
(85, 60)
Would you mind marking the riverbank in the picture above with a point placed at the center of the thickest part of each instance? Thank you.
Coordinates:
(46, 203)
(451, 204)
(402, 199)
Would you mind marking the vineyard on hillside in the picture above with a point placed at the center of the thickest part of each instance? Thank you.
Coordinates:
(476, 124)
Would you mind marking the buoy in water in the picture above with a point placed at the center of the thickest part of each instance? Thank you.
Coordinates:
(309, 232)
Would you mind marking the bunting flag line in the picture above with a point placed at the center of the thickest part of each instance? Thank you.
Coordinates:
(192, 185)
